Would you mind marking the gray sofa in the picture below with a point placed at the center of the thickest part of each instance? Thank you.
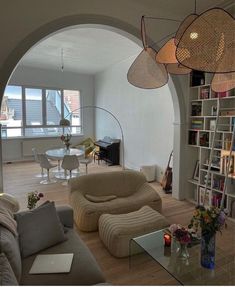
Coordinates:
(84, 270)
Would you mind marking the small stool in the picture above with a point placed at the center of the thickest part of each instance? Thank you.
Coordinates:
(116, 230)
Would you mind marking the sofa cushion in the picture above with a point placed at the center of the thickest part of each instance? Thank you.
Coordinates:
(84, 269)
(7, 276)
(39, 229)
(9, 245)
(101, 198)
(120, 183)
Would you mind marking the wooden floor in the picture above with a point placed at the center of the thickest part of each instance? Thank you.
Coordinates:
(19, 179)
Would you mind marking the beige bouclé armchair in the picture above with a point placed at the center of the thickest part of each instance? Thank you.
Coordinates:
(116, 192)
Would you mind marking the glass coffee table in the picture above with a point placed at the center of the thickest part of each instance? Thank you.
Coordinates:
(186, 272)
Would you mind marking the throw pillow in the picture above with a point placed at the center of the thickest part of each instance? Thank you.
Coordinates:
(7, 276)
(102, 198)
(39, 229)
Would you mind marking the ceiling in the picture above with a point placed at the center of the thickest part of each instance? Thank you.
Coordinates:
(89, 49)
(86, 50)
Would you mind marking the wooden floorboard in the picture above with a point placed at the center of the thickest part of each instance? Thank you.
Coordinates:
(19, 179)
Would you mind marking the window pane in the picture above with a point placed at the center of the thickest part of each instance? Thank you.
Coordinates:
(40, 132)
(53, 107)
(10, 133)
(11, 111)
(33, 98)
(71, 107)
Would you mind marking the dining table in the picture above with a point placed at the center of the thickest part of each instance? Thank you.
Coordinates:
(59, 153)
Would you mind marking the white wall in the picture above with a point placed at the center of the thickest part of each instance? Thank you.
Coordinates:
(12, 148)
(146, 117)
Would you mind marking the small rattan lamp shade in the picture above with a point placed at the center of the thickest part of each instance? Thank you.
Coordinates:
(166, 55)
(183, 26)
(145, 72)
(177, 69)
(223, 82)
(208, 43)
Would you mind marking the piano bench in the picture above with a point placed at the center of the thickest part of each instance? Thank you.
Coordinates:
(98, 155)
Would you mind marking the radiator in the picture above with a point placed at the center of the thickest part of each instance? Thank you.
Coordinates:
(41, 145)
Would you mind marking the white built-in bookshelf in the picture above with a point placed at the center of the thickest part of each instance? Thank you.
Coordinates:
(202, 121)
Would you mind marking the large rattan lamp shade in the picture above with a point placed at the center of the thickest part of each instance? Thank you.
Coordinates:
(166, 55)
(208, 43)
(177, 69)
(183, 26)
(223, 82)
(145, 72)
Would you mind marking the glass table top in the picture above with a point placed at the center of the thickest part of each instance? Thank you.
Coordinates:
(59, 153)
(189, 271)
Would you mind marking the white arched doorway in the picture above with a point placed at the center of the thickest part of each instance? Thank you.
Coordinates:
(130, 33)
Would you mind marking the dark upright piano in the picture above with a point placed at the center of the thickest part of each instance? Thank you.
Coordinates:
(109, 150)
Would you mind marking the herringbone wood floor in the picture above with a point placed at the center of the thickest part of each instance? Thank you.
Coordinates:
(19, 180)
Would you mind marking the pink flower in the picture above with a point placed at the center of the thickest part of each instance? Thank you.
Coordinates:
(173, 228)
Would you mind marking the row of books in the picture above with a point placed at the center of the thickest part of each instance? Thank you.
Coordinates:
(224, 164)
(218, 184)
(196, 109)
(216, 199)
(197, 124)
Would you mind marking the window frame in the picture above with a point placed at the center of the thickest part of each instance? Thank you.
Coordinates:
(44, 124)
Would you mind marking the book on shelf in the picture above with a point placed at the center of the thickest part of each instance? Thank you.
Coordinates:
(205, 92)
(218, 184)
(224, 164)
(216, 199)
(221, 94)
(204, 139)
(196, 109)
(197, 124)
(229, 112)
(192, 138)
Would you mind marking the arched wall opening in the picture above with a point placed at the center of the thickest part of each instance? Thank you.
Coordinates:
(131, 33)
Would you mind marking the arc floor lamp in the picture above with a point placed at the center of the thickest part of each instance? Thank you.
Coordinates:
(66, 123)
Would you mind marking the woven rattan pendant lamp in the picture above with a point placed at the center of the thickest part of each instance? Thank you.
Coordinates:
(166, 55)
(177, 69)
(145, 72)
(223, 82)
(208, 44)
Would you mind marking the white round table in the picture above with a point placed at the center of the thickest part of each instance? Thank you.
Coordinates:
(59, 153)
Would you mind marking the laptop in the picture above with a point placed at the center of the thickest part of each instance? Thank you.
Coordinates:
(52, 263)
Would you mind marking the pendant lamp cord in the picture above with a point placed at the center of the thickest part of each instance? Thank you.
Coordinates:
(62, 60)
(195, 7)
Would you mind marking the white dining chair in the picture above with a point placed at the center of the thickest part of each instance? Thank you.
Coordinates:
(86, 159)
(46, 164)
(35, 155)
(70, 162)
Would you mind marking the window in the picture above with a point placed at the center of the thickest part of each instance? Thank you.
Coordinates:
(33, 112)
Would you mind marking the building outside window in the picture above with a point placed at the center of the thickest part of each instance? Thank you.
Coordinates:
(36, 112)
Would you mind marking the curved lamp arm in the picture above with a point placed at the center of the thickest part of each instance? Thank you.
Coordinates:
(65, 123)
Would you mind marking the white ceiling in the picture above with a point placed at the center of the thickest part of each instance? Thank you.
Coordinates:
(87, 50)
(90, 49)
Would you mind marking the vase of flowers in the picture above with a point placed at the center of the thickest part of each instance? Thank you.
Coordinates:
(33, 198)
(66, 140)
(182, 237)
(210, 220)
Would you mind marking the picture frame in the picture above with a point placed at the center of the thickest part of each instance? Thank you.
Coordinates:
(196, 171)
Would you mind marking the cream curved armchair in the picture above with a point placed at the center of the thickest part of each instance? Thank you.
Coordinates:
(114, 192)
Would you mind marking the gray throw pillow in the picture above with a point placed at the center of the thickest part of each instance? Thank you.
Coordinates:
(39, 229)
(7, 276)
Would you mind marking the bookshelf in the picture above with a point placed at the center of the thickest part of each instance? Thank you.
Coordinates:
(202, 111)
